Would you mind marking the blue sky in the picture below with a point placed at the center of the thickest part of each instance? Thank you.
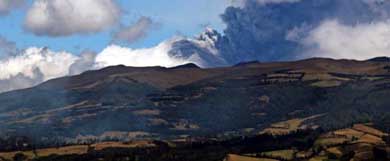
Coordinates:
(174, 17)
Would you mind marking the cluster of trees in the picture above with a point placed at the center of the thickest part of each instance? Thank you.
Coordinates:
(12, 143)
(205, 150)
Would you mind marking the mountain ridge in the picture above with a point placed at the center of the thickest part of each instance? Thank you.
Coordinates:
(190, 101)
(125, 69)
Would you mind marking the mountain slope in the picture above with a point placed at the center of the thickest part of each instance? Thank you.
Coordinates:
(155, 102)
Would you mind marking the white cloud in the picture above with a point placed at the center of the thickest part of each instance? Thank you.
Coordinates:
(336, 40)
(33, 66)
(20, 81)
(85, 61)
(51, 64)
(155, 56)
(7, 5)
(134, 32)
(36, 65)
(67, 17)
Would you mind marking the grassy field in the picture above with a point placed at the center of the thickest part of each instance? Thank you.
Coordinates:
(335, 151)
(369, 130)
(286, 127)
(284, 154)
(327, 83)
(359, 139)
(327, 142)
(75, 149)
(349, 133)
(283, 128)
(371, 139)
(319, 158)
(233, 157)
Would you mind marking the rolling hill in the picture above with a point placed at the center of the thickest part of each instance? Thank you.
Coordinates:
(128, 103)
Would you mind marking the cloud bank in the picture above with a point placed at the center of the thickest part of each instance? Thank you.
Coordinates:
(33, 66)
(36, 65)
(155, 56)
(336, 40)
(53, 64)
(84, 62)
(68, 17)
